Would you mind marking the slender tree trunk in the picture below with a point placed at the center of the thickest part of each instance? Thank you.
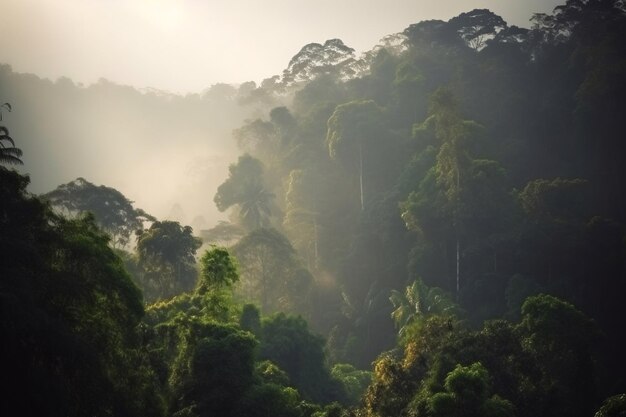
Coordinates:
(458, 264)
(361, 173)
(315, 242)
(264, 280)
(456, 231)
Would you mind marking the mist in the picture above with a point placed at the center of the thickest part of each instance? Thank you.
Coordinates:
(159, 149)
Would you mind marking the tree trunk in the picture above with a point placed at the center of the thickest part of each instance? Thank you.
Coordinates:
(456, 229)
(458, 265)
(361, 173)
(315, 243)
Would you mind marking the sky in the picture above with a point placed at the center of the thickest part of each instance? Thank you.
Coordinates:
(185, 46)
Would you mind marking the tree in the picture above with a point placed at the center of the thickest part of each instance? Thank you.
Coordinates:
(555, 212)
(9, 154)
(258, 137)
(269, 400)
(244, 187)
(284, 123)
(477, 27)
(250, 319)
(254, 208)
(467, 395)
(69, 315)
(166, 254)
(287, 342)
(560, 340)
(417, 304)
(303, 212)
(218, 274)
(113, 211)
(217, 269)
(351, 128)
(453, 161)
(315, 60)
(271, 273)
(354, 381)
(214, 369)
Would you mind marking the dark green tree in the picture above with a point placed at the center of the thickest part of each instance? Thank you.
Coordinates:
(288, 342)
(113, 211)
(561, 340)
(70, 315)
(214, 369)
(467, 394)
(166, 254)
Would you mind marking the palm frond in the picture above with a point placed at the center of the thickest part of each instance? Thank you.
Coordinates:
(10, 159)
(4, 135)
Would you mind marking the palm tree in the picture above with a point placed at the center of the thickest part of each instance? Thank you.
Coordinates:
(254, 209)
(9, 154)
(418, 303)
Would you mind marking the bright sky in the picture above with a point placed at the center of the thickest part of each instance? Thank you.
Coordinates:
(188, 45)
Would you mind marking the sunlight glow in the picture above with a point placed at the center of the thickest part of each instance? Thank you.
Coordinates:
(164, 14)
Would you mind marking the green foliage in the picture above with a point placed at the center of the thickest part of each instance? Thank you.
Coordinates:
(287, 342)
(114, 213)
(250, 319)
(214, 367)
(468, 387)
(553, 324)
(271, 273)
(166, 254)
(354, 381)
(217, 269)
(272, 374)
(269, 400)
(331, 410)
(561, 340)
(417, 304)
(464, 156)
(70, 315)
(541, 365)
(558, 200)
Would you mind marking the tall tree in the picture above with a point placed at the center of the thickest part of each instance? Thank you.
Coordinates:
(353, 130)
(303, 212)
(166, 255)
(453, 159)
(246, 189)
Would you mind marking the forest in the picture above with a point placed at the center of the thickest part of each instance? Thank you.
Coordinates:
(436, 228)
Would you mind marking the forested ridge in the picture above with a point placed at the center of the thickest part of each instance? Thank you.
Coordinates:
(433, 229)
